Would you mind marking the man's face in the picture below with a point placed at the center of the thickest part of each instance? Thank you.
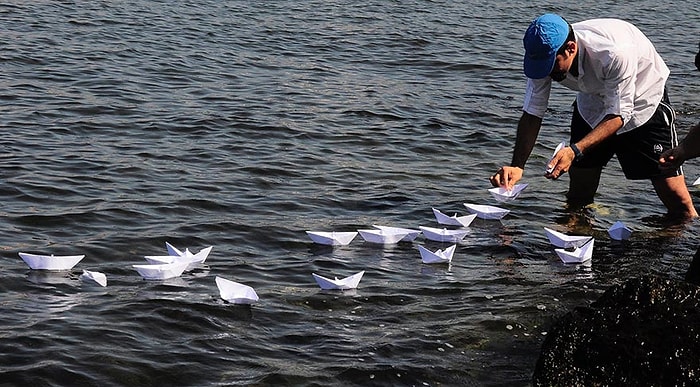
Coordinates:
(560, 69)
(563, 62)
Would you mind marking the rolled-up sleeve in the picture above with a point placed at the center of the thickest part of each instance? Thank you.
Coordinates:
(537, 96)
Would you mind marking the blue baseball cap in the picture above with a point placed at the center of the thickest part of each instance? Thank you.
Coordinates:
(542, 40)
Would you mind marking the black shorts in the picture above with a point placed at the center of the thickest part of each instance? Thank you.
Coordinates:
(638, 150)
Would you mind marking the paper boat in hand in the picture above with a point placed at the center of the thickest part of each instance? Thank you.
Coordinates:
(443, 234)
(332, 238)
(506, 195)
(346, 283)
(236, 293)
(487, 212)
(51, 262)
(439, 256)
(161, 271)
(556, 150)
(94, 276)
(697, 181)
(382, 236)
(461, 221)
(564, 241)
(578, 254)
(619, 231)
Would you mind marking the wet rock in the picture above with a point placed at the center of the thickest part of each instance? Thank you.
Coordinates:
(645, 332)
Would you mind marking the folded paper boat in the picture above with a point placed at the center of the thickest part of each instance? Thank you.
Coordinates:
(346, 283)
(506, 195)
(439, 256)
(461, 221)
(94, 277)
(411, 234)
(51, 262)
(332, 238)
(697, 181)
(443, 234)
(578, 254)
(161, 271)
(564, 241)
(619, 231)
(387, 237)
(193, 260)
(236, 293)
(487, 212)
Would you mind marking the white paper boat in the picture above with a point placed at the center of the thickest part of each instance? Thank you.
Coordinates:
(411, 234)
(578, 254)
(697, 181)
(461, 221)
(506, 195)
(439, 256)
(51, 262)
(443, 234)
(162, 271)
(236, 293)
(193, 260)
(556, 150)
(564, 241)
(382, 236)
(94, 276)
(619, 231)
(332, 238)
(487, 212)
(346, 283)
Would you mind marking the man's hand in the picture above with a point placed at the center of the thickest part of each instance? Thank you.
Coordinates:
(560, 163)
(507, 177)
(672, 158)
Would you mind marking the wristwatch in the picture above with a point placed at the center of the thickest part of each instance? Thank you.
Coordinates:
(577, 153)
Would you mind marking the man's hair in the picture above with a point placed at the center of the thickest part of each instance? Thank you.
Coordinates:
(571, 38)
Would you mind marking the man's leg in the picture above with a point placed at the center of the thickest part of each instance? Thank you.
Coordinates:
(583, 184)
(674, 194)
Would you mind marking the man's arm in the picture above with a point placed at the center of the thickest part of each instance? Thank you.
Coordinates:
(528, 129)
(561, 162)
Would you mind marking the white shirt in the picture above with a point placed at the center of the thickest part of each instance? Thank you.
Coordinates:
(620, 73)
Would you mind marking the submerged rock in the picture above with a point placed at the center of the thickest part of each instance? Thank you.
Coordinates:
(645, 332)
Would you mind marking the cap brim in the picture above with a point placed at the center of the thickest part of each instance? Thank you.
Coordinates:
(538, 68)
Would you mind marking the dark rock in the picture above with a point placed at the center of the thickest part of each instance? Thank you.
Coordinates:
(645, 332)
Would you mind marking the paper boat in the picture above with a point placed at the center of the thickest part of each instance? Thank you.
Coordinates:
(443, 234)
(439, 256)
(697, 181)
(556, 150)
(564, 241)
(506, 195)
(346, 283)
(578, 254)
(411, 234)
(51, 262)
(619, 231)
(236, 293)
(487, 212)
(193, 260)
(382, 236)
(161, 271)
(94, 276)
(461, 221)
(332, 238)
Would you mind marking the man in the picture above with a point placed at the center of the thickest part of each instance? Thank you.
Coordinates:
(671, 159)
(689, 148)
(621, 108)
